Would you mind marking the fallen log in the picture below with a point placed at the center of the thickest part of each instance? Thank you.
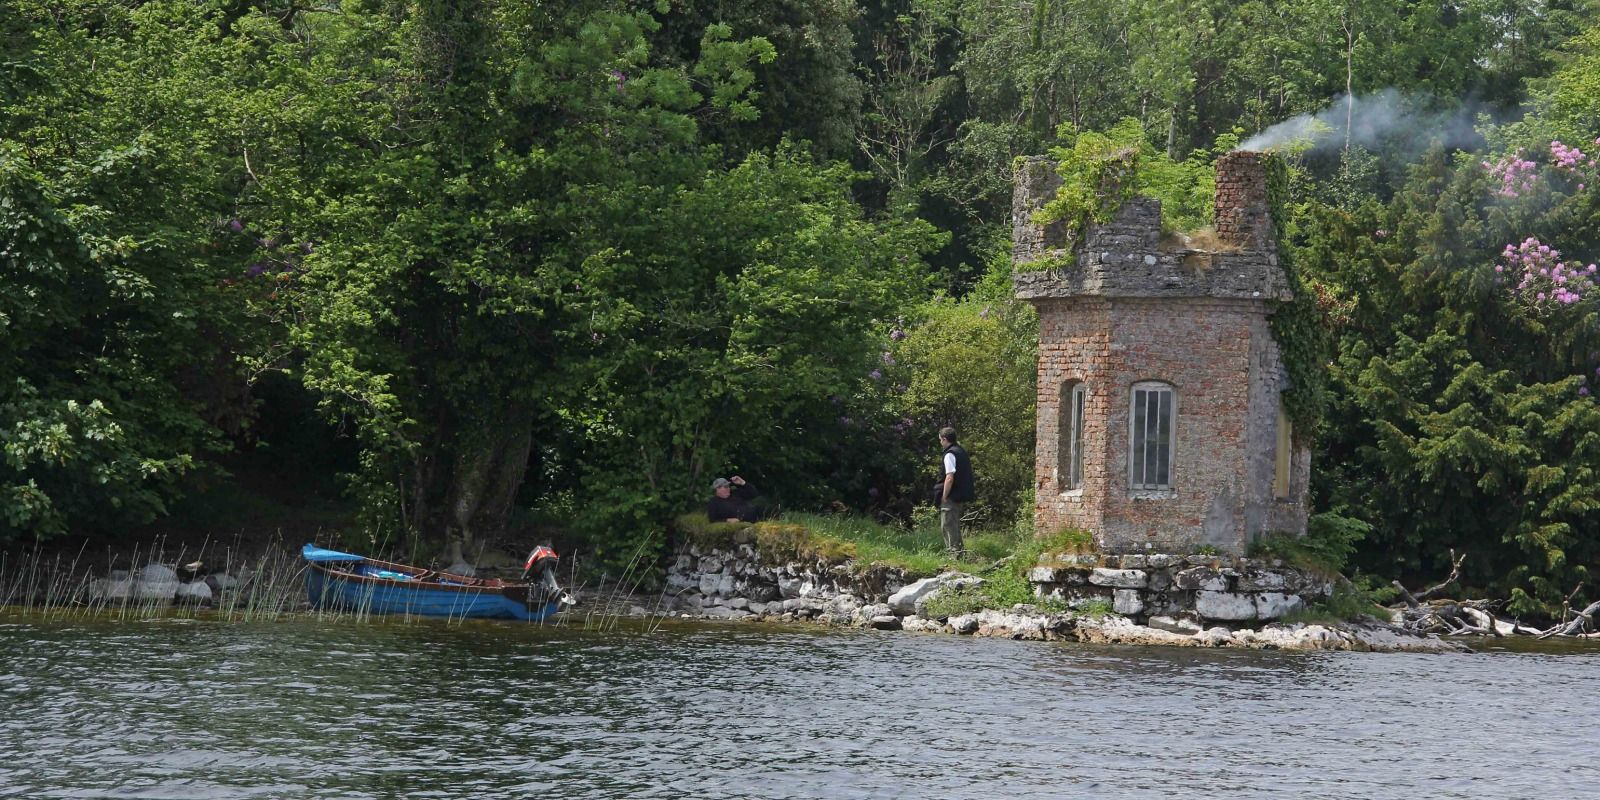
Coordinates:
(1580, 625)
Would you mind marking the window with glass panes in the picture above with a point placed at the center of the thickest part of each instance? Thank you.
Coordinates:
(1074, 398)
(1153, 417)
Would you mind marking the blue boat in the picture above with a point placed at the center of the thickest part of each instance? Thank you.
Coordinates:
(348, 582)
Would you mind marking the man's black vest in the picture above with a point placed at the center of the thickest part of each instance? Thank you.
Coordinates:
(962, 491)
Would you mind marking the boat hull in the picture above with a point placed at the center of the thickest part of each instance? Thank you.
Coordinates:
(374, 587)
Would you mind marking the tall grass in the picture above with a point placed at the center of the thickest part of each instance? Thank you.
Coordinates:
(269, 586)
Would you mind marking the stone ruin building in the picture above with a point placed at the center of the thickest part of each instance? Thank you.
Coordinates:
(1160, 425)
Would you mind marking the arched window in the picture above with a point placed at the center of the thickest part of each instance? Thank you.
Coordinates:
(1152, 421)
(1074, 398)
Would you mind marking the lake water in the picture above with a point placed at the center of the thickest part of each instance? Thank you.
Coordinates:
(341, 709)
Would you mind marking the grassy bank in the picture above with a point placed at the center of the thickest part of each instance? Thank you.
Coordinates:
(1001, 557)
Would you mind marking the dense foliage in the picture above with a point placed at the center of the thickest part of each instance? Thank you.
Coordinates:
(568, 262)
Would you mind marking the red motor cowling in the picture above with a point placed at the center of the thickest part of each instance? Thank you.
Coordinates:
(541, 560)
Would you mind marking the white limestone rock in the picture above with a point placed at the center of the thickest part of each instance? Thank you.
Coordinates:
(1230, 606)
(197, 592)
(156, 573)
(789, 586)
(1127, 602)
(155, 590)
(1262, 581)
(1120, 578)
(912, 598)
(964, 624)
(918, 624)
(1205, 579)
(1272, 605)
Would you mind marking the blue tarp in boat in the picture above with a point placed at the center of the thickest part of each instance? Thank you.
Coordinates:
(322, 555)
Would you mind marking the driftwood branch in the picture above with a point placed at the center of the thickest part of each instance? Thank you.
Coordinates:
(1455, 572)
(1581, 624)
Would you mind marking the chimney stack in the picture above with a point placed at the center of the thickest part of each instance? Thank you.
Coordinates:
(1243, 220)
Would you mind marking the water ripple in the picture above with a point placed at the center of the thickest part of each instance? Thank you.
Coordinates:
(318, 710)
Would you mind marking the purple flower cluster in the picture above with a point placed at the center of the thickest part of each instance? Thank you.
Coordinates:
(1570, 159)
(897, 334)
(1517, 175)
(1544, 276)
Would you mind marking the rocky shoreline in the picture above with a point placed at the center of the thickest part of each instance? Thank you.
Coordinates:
(735, 582)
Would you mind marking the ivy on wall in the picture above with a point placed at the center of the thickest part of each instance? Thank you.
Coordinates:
(1304, 343)
(1102, 171)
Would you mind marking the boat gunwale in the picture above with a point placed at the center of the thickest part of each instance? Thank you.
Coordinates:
(422, 578)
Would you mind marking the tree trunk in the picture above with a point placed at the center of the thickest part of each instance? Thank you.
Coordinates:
(1349, 78)
(490, 462)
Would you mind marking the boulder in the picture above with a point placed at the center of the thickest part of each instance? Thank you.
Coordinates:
(1272, 605)
(912, 598)
(197, 592)
(155, 590)
(790, 587)
(1261, 580)
(964, 624)
(1044, 574)
(886, 622)
(155, 573)
(761, 592)
(1230, 606)
(1127, 602)
(1206, 579)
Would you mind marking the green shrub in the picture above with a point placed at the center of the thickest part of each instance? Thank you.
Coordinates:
(1349, 601)
(1329, 541)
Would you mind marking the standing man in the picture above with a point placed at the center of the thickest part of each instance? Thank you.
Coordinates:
(957, 490)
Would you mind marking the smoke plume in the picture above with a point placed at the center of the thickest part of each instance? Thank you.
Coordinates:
(1387, 120)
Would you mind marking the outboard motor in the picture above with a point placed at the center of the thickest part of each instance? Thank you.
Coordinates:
(541, 569)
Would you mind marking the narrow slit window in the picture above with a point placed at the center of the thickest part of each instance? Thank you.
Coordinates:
(1285, 451)
(1152, 422)
(1075, 398)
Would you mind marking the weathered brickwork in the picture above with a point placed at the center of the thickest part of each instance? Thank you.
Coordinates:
(1130, 311)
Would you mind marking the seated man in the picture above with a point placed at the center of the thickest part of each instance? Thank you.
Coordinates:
(733, 500)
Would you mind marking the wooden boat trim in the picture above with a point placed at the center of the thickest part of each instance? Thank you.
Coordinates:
(431, 579)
